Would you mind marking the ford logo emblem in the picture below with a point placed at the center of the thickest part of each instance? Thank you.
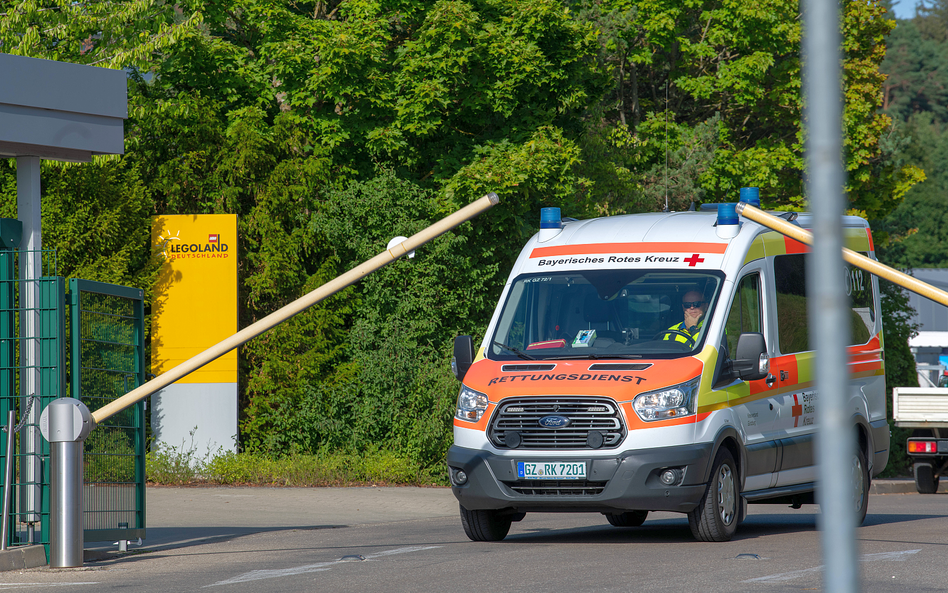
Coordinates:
(554, 422)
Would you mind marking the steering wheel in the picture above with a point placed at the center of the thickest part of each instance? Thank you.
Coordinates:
(690, 341)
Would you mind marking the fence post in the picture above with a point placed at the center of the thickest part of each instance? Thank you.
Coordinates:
(65, 423)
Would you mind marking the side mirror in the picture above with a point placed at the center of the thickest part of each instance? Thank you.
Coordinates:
(751, 361)
(463, 356)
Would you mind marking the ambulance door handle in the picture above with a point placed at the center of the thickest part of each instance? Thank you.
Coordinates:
(770, 380)
(784, 375)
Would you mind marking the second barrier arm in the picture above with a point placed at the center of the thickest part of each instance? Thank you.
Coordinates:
(856, 259)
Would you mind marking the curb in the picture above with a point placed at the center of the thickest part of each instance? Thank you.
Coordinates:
(22, 557)
(904, 486)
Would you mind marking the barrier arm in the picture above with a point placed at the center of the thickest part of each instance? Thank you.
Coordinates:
(297, 306)
(860, 261)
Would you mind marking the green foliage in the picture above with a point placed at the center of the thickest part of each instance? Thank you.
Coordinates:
(917, 231)
(98, 216)
(114, 34)
(374, 467)
(899, 367)
(389, 382)
(330, 127)
(109, 456)
(169, 464)
(916, 77)
(913, 234)
(174, 466)
(916, 96)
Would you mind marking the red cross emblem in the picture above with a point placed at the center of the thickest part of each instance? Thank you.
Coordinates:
(796, 410)
(694, 260)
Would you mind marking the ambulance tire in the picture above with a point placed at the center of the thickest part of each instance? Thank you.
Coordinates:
(926, 482)
(485, 526)
(861, 489)
(715, 518)
(629, 519)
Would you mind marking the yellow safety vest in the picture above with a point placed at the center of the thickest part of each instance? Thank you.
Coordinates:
(682, 328)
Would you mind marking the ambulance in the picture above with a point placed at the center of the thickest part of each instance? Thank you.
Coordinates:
(592, 392)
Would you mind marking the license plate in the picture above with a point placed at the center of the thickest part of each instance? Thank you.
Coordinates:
(551, 470)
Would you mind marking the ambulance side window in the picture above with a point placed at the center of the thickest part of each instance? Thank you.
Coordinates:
(792, 321)
(859, 289)
(744, 315)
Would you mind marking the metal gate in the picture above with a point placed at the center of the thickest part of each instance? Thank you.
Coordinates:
(32, 372)
(103, 348)
(107, 360)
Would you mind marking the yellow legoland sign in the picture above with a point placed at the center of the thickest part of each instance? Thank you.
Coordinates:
(195, 303)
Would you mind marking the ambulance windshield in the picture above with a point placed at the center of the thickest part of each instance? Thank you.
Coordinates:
(606, 314)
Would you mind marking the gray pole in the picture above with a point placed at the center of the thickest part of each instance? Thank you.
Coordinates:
(65, 423)
(7, 479)
(828, 308)
(28, 212)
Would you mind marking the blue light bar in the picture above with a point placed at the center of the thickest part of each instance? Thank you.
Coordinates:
(550, 218)
(751, 195)
(727, 214)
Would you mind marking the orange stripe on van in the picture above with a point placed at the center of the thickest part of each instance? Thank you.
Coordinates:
(794, 246)
(873, 346)
(591, 248)
(858, 367)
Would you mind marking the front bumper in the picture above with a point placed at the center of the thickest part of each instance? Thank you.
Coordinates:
(614, 483)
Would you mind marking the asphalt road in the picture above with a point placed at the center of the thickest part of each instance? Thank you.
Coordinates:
(410, 539)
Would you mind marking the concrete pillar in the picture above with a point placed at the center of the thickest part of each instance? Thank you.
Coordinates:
(28, 211)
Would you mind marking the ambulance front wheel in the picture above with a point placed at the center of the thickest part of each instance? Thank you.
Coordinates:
(485, 526)
(860, 486)
(715, 518)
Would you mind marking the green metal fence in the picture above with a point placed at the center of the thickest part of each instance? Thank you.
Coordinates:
(107, 360)
(32, 315)
(94, 331)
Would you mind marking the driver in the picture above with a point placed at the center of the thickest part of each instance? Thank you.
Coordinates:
(694, 307)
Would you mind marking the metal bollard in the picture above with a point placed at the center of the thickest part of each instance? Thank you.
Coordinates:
(65, 423)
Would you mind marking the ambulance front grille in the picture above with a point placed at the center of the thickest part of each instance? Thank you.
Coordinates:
(586, 415)
(556, 488)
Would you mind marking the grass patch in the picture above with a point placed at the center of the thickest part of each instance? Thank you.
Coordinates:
(182, 466)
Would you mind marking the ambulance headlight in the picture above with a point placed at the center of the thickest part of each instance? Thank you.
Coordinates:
(471, 404)
(676, 401)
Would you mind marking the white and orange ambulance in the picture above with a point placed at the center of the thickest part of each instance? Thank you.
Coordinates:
(589, 393)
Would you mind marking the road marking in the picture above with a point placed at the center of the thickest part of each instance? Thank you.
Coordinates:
(259, 575)
(785, 576)
(43, 585)
(890, 556)
(793, 574)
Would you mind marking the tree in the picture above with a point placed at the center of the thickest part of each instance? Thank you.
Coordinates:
(917, 98)
(329, 127)
(126, 33)
(916, 69)
(733, 68)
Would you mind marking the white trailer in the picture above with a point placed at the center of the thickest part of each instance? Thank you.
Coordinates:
(925, 410)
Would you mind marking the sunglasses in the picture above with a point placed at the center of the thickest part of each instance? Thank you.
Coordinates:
(690, 304)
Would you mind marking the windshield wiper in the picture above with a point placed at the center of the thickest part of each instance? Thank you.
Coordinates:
(594, 357)
(514, 350)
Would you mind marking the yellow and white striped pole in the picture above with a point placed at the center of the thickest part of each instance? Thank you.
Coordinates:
(297, 306)
(851, 257)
